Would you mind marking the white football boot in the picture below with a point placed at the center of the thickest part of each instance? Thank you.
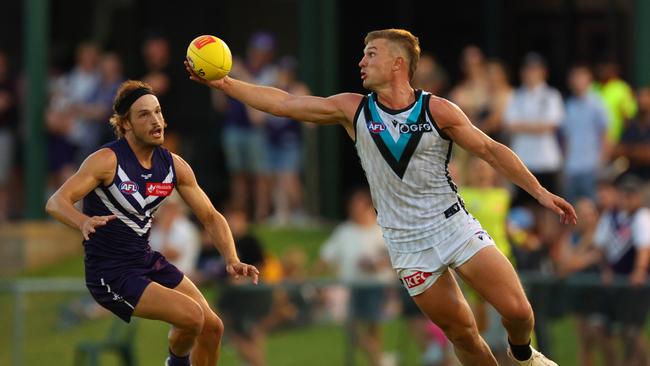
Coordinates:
(536, 359)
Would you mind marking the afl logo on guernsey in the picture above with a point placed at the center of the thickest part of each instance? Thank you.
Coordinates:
(128, 187)
(376, 127)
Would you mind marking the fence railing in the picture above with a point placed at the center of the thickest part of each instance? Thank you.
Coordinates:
(19, 288)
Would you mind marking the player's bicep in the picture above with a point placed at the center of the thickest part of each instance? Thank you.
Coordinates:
(460, 129)
(95, 170)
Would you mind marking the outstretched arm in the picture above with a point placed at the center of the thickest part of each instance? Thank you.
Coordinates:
(455, 124)
(212, 220)
(338, 108)
(97, 169)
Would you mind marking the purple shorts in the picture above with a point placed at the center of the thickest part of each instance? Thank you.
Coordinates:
(119, 290)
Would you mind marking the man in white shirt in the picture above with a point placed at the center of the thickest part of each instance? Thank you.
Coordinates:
(532, 117)
(175, 236)
(357, 252)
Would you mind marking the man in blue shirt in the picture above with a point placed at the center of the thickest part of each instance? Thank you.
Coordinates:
(585, 130)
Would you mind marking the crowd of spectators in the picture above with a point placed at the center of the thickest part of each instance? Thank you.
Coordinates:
(590, 145)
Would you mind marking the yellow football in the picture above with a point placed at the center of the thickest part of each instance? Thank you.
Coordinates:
(209, 57)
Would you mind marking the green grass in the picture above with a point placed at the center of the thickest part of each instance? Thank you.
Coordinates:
(277, 240)
(321, 345)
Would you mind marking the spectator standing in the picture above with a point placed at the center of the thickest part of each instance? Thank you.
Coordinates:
(618, 97)
(158, 72)
(490, 120)
(67, 130)
(284, 151)
(243, 130)
(471, 94)
(585, 135)
(624, 239)
(99, 106)
(357, 252)
(532, 118)
(634, 145)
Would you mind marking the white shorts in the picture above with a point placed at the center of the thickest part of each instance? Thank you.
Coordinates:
(419, 270)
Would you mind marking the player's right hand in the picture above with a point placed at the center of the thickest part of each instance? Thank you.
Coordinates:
(88, 227)
(237, 269)
(218, 84)
(558, 205)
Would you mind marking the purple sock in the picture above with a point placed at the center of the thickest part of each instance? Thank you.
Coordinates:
(178, 360)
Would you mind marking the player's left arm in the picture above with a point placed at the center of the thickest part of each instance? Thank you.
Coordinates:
(455, 124)
(211, 219)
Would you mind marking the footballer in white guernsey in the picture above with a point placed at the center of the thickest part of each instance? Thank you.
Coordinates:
(404, 139)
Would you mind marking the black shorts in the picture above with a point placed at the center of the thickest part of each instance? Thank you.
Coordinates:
(243, 307)
(119, 290)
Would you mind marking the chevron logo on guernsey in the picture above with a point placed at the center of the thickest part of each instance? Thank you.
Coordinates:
(398, 148)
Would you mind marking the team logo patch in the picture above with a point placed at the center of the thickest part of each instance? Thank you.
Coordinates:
(416, 279)
(128, 187)
(404, 128)
(159, 189)
(483, 235)
(376, 127)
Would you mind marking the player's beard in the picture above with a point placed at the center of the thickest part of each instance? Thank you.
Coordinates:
(147, 140)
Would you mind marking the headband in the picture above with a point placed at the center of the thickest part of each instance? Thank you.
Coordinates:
(125, 103)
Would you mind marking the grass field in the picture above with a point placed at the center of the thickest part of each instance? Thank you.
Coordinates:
(322, 345)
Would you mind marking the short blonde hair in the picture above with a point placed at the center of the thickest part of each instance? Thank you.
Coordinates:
(404, 39)
(117, 120)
